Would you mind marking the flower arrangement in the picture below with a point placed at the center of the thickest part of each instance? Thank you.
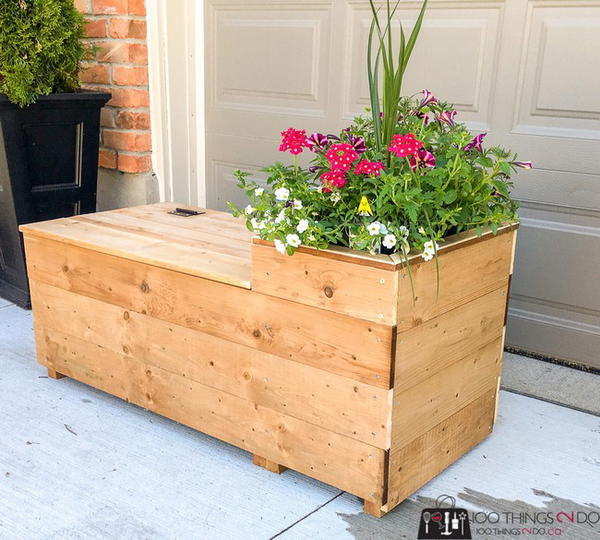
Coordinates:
(396, 180)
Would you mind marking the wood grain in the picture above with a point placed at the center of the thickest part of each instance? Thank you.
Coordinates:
(419, 408)
(344, 287)
(339, 404)
(176, 247)
(337, 343)
(414, 464)
(427, 349)
(465, 274)
(345, 463)
(271, 466)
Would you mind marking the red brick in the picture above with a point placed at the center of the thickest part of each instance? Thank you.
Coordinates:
(95, 74)
(137, 7)
(133, 120)
(95, 28)
(126, 140)
(132, 163)
(130, 76)
(107, 117)
(127, 29)
(111, 7)
(129, 97)
(138, 53)
(112, 51)
(82, 6)
(107, 159)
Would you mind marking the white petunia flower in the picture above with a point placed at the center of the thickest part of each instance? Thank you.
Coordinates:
(311, 238)
(429, 250)
(249, 209)
(335, 197)
(280, 217)
(293, 240)
(384, 229)
(259, 191)
(282, 194)
(262, 225)
(280, 246)
(254, 223)
(297, 204)
(403, 230)
(389, 241)
(374, 228)
(302, 225)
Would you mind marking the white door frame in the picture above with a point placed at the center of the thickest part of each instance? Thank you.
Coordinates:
(176, 84)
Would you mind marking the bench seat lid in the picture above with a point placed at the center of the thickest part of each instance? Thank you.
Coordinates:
(213, 245)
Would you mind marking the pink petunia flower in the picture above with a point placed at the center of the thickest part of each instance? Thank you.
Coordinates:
(293, 140)
(447, 117)
(475, 144)
(334, 178)
(341, 156)
(523, 164)
(423, 158)
(317, 142)
(369, 167)
(404, 145)
(428, 98)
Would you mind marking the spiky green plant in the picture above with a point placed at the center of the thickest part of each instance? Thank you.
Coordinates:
(40, 48)
(393, 65)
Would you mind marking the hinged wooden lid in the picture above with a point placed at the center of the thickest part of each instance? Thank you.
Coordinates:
(213, 245)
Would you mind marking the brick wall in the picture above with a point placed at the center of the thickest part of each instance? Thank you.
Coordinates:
(118, 29)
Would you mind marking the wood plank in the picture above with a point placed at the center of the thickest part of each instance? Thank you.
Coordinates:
(221, 224)
(337, 343)
(341, 253)
(337, 460)
(138, 247)
(344, 287)
(426, 456)
(53, 374)
(339, 404)
(238, 248)
(465, 274)
(427, 349)
(271, 466)
(419, 408)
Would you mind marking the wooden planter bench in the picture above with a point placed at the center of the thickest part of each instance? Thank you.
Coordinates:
(320, 362)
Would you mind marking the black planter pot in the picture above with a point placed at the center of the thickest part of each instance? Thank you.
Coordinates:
(48, 170)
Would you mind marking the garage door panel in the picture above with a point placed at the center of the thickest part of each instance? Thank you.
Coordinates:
(561, 47)
(270, 58)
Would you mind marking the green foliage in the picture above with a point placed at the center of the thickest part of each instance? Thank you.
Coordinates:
(393, 73)
(419, 205)
(40, 48)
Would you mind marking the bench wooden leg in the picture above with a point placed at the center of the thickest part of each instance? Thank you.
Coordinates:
(269, 465)
(53, 374)
(374, 509)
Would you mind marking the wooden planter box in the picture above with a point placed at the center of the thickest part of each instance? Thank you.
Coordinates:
(320, 362)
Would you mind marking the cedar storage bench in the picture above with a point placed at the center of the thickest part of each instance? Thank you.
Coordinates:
(322, 362)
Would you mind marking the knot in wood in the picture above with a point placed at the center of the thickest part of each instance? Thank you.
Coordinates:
(328, 291)
(145, 287)
(256, 333)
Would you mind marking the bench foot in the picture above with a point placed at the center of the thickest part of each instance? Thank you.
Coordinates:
(374, 509)
(269, 465)
(53, 374)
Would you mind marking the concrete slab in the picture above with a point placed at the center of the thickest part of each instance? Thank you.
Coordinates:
(76, 463)
(551, 382)
(4, 303)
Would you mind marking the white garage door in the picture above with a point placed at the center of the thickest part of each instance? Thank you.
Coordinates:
(527, 72)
